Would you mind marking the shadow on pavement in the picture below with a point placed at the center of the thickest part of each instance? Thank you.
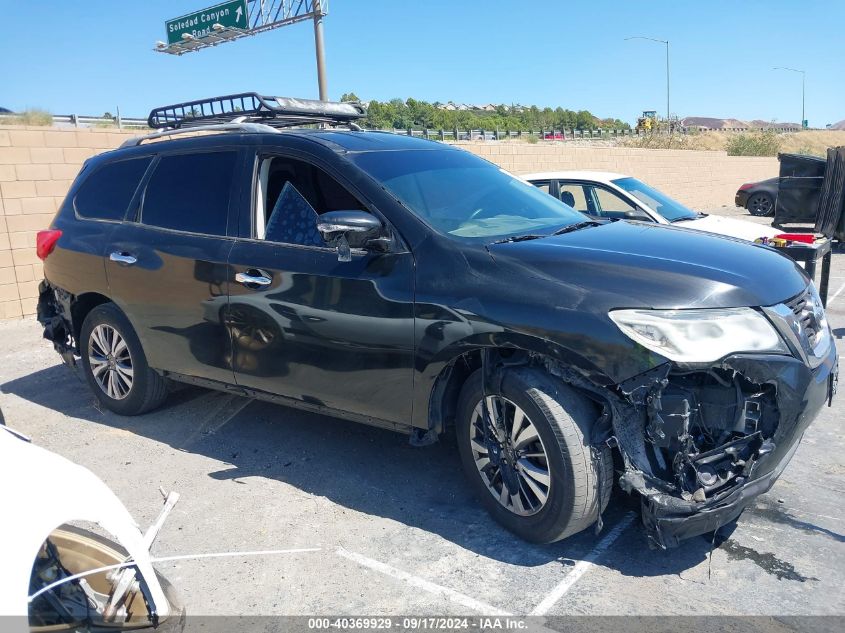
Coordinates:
(368, 470)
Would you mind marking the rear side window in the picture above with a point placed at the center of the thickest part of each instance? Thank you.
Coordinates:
(191, 192)
(105, 194)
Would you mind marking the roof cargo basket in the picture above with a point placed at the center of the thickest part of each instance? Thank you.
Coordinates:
(252, 107)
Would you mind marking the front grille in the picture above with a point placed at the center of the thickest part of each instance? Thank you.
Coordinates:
(802, 308)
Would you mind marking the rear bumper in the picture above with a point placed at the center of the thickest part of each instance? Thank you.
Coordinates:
(741, 198)
(54, 314)
(802, 393)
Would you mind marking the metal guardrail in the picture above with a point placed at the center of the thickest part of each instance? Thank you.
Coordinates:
(547, 134)
(81, 120)
(556, 134)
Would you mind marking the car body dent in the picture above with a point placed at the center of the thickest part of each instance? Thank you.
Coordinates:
(43, 491)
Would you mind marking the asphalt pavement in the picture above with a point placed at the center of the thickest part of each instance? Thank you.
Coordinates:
(395, 528)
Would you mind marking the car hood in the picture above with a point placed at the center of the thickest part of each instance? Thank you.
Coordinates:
(631, 264)
(731, 227)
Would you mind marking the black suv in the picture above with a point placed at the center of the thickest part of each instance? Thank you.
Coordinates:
(410, 285)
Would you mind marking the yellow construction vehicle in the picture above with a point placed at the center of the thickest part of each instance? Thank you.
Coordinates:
(648, 121)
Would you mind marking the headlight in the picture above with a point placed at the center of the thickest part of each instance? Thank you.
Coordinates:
(699, 336)
(819, 339)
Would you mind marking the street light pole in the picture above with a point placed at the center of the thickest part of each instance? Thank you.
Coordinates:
(667, 82)
(321, 53)
(666, 42)
(803, 78)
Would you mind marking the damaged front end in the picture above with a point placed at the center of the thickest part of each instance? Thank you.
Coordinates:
(700, 444)
(706, 432)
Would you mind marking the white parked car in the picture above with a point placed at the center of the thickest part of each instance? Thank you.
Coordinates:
(60, 577)
(616, 196)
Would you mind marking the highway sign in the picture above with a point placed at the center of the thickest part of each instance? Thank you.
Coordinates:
(231, 14)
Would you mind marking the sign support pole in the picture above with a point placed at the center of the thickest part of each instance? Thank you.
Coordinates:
(321, 53)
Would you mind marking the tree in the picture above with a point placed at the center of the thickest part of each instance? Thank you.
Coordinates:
(349, 96)
(584, 120)
(413, 113)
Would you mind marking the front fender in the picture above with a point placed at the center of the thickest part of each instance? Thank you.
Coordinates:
(434, 370)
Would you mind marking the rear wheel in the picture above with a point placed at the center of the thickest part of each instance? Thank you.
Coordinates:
(760, 204)
(115, 365)
(529, 459)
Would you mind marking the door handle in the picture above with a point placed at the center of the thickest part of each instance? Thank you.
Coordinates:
(123, 258)
(251, 281)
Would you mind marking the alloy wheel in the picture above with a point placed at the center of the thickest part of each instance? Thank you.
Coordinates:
(110, 361)
(760, 205)
(510, 455)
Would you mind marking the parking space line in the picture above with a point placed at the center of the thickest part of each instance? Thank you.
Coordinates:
(167, 559)
(223, 408)
(582, 566)
(422, 583)
(836, 294)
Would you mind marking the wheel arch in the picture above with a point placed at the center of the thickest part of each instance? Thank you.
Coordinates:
(445, 376)
(81, 307)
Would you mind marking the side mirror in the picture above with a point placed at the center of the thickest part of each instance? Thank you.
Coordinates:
(346, 230)
(638, 214)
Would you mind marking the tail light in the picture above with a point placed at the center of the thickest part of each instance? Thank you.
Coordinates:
(45, 242)
(747, 185)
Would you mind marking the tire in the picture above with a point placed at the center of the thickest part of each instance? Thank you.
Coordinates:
(580, 477)
(136, 392)
(760, 204)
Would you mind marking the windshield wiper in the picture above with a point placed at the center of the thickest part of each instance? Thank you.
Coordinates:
(697, 216)
(532, 236)
(577, 226)
(518, 238)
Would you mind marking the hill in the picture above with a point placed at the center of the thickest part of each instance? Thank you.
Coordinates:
(713, 123)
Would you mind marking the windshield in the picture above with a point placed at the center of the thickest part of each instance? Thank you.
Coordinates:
(660, 202)
(464, 196)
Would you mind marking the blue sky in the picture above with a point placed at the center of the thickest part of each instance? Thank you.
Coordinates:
(98, 55)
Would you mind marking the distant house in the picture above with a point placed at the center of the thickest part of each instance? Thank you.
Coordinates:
(450, 107)
(463, 107)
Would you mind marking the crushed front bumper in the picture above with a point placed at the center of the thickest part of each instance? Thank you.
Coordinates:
(667, 522)
(671, 514)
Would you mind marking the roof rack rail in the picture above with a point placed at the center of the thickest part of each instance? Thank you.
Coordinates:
(250, 106)
(234, 126)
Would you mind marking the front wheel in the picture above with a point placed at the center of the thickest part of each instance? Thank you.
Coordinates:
(529, 460)
(760, 204)
(115, 365)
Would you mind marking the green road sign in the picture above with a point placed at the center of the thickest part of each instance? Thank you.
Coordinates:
(199, 23)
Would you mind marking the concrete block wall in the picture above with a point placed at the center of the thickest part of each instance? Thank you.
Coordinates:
(38, 164)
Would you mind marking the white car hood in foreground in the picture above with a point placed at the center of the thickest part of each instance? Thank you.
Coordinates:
(730, 227)
(39, 491)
